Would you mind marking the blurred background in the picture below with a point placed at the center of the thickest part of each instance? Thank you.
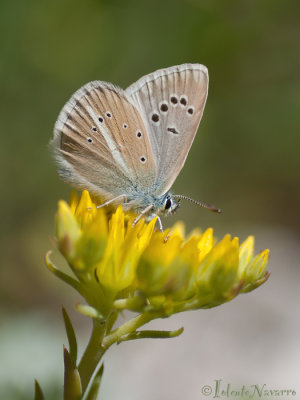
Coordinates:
(245, 160)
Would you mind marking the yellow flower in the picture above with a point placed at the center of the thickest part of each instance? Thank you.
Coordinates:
(121, 266)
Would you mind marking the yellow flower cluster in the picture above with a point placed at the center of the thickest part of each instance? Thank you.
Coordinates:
(121, 266)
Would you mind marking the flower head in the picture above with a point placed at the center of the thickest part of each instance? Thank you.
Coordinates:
(119, 265)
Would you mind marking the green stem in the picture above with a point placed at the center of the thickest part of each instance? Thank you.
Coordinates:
(93, 354)
(99, 343)
(128, 328)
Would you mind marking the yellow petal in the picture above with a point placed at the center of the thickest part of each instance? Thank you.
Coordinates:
(178, 228)
(67, 229)
(86, 209)
(73, 201)
(205, 243)
(218, 270)
(246, 254)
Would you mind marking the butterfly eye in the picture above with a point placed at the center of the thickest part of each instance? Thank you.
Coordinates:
(125, 126)
(100, 119)
(90, 140)
(139, 134)
(168, 203)
(143, 159)
(108, 114)
(94, 129)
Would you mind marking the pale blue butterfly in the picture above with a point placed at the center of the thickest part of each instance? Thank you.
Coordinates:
(129, 146)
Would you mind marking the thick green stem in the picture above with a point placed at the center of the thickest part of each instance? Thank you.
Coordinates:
(99, 343)
(93, 354)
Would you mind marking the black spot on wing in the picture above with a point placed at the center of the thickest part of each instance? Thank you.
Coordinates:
(173, 130)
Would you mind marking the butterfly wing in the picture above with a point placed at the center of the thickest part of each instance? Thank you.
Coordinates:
(101, 143)
(171, 102)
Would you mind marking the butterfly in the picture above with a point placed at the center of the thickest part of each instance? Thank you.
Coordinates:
(128, 146)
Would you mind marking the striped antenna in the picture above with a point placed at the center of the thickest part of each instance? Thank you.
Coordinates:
(209, 207)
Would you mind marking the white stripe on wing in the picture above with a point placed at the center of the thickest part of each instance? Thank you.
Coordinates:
(109, 140)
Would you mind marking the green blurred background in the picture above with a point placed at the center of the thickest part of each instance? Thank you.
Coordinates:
(245, 158)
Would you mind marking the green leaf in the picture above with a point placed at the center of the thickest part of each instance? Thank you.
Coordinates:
(89, 311)
(95, 386)
(72, 382)
(150, 335)
(61, 275)
(71, 336)
(38, 394)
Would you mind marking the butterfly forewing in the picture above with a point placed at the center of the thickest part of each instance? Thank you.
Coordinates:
(171, 102)
(102, 144)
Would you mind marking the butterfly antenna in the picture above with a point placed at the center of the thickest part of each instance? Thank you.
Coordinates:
(209, 207)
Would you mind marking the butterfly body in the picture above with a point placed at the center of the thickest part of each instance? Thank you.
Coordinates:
(128, 146)
(165, 204)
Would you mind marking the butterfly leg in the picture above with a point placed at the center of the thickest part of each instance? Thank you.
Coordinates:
(112, 201)
(160, 224)
(145, 210)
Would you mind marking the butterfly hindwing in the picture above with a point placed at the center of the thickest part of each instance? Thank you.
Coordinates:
(171, 102)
